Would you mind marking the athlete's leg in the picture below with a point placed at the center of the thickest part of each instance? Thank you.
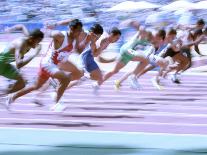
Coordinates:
(40, 81)
(118, 66)
(10, 72)
(68, 66)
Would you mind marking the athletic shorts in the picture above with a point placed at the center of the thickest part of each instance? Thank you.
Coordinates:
(126, 55)
(153, 59)
(87, 61)
(186, 52)
(170, 53)
(48, 70)
(9, 71)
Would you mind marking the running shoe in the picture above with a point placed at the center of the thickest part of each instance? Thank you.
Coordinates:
(156, 84)
(117, 85)
(96, 87)
(58, 107)
(134, 82)
(175, 79)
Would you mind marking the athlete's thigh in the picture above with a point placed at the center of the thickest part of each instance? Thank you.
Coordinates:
(68, 66)
(119, 65)
(11, 72)
(180, 57)
(96, 74)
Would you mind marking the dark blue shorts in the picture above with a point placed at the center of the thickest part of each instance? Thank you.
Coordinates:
(88, 61)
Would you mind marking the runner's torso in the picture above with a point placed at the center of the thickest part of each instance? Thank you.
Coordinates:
(56, 56)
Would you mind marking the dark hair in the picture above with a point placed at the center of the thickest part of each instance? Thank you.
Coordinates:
(162, 33)
(115, 31)
(172, 32)
(97, 29)
(37, 34)
(200, 22)
(75, 23)
(198, 32)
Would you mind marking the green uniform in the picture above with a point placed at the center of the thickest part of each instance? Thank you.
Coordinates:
(6, 69)
(127, 56)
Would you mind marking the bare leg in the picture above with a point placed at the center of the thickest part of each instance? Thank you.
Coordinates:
(29, 89)
(64, 79)
(119, 65)
(20, 84)
(146, 69)
(67, 66)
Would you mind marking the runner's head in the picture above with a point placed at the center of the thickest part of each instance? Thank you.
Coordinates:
(115, 34)
(160, 35)
(96, 31)
(200, 24)
(149, 36)
(197, 34)
(75, 27)
(35, 37)
(171, 34)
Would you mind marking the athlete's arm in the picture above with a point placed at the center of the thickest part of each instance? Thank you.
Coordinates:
(185, 27)
(81, 44)
(18, 27)
(19, 58)
(55, 24)
(97, 51)
(131, 23)
(161, 54)
(103, 60)
(196, 42)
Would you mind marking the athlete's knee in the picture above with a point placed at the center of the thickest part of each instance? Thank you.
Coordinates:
(79, 74)
(145, 62)
(163, 63)
(21, 82)
(115, 71)
(65, 79)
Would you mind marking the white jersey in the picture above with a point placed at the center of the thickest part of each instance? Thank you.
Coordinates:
(55, 56)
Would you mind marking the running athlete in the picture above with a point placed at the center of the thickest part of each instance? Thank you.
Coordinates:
(168, 39)
(15, 53)
(60, 47)
(127, 53)
(200, 24)
(154, 60)
(87, 57)
(183, 55)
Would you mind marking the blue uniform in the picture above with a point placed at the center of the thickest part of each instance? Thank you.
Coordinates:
(88, 61)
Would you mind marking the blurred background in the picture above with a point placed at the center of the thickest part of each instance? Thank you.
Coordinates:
(109, 13)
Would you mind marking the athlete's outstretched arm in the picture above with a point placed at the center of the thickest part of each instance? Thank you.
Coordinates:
(104, 60)
(131, 23)
(19, 57)
(97, 51)
(82, 42)
(18, 27)
(185, 27)
(196, 42)
(58, 23)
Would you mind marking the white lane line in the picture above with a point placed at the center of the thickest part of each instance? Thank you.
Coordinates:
(113, 114)
(63, 121)
(36, 129)
(121, 106)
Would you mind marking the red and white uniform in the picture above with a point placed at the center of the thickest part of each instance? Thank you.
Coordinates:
(48, 65)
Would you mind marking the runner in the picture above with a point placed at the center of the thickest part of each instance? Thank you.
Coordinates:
(59, 48)
(168, 39)
(127, 53)
(15, 52)
(88, 61)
